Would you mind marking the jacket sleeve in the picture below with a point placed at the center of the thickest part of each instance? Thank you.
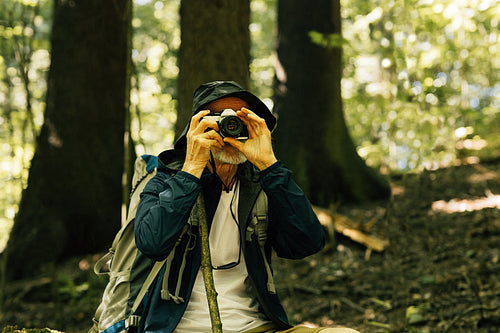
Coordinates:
(164, 209)
(294, 229)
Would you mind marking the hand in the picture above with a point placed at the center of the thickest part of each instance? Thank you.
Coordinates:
(200, 142)
(258, 148)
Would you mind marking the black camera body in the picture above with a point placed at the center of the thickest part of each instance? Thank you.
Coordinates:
(230, 125)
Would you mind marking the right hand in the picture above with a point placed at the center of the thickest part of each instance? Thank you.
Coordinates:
(200, 142)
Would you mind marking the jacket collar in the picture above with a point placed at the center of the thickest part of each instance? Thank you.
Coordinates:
(171, 161)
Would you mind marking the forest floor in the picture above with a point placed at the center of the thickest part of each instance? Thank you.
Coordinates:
(440, 272)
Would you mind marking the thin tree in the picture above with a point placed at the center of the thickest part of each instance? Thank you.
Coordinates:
(72, 203)
(311, 136)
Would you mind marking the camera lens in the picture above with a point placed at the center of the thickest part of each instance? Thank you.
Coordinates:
(231, 126)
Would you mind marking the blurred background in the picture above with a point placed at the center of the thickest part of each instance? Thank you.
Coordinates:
(420, 82)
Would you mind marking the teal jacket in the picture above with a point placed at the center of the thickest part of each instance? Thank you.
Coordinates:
(294, 231)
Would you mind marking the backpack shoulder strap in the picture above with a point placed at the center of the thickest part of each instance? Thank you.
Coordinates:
(147, 283)
(144, 165)
(193, 221)
(165, 294)
(259, 220)
(258, 226)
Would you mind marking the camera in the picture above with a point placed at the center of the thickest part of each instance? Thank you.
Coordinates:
(230, 125)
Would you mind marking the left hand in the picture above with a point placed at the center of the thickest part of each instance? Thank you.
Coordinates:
(257, 148)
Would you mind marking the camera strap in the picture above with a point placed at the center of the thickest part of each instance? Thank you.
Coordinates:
(225, 187)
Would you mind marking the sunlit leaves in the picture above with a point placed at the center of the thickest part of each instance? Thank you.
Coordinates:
(416, 73)
(156, 39)
(326, 40)
(24, 62)
(435, 59)
(263, 36)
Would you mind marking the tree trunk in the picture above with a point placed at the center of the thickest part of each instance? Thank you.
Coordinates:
(72, 203)
(311, 136)
(215, 45)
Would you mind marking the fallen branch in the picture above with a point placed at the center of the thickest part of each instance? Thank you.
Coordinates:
(352, 304)
(351, 229)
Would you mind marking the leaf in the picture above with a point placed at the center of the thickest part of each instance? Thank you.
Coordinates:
(414, 315)
(329, 41)
(427, 279)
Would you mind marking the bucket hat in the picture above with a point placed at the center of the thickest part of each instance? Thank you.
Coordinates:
(211, 91)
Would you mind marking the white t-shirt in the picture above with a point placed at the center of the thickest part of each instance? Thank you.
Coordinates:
(238, 309)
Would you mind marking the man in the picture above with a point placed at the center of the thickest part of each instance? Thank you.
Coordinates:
(231, 173)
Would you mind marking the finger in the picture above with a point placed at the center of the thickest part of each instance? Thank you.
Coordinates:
(204, 125)
(253, 122)
(200, 115)
(213, 135)
(234, 142)
(249, 114)
(195, 120)
(246, 116)
(210, 143)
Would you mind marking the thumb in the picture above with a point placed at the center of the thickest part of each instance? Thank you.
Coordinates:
(234, 142)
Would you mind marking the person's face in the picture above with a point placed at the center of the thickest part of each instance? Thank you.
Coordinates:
(228, 154)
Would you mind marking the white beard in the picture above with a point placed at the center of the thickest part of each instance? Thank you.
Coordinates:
(234, 157)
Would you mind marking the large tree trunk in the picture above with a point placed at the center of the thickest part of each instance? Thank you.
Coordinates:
(72, 203)
(312, 137)
(215, 45)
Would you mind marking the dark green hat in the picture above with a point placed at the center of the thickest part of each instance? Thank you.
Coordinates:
(212, 91)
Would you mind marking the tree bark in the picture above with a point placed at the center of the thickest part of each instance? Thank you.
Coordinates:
(311, 136)
(215, 45)
(72, 203)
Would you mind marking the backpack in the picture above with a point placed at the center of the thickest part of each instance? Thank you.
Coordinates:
(126, 267)
(131, 273)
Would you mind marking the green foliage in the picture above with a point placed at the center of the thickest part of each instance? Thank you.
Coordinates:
(263, 35)
(156, 40)
(421, 82)
(420, 77)
(327, 40)
(80, 290)
(24, 61)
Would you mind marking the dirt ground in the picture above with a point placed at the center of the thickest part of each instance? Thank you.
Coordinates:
(440, 273)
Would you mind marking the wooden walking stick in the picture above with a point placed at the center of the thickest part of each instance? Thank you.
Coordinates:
(206, 267)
